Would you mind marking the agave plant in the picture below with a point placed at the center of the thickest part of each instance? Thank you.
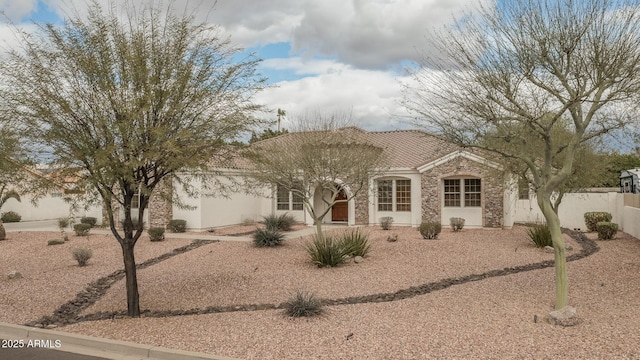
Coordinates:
(4, 196)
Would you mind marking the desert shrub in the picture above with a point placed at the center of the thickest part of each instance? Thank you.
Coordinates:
(326, 251)
(55, 242)
(134, 222)
(456, 223)
(177, 225)
(267, 237)
(606, 230)
(355, 243)
(11, 217)
(82, 255)
(156, 233)
(63, 222)
(303, 304)
(385, 222)
(540, 235)
(591, 219)
(90, 220)
(282, 222)
(248, 221)
(430, 229)
(81, 229)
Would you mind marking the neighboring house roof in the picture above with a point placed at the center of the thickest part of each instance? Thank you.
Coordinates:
(630, 173)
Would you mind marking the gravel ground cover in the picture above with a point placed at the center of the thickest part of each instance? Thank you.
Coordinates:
(51, 276)
(492, 318)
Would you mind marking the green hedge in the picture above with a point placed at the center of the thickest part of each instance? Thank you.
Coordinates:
(591, 219)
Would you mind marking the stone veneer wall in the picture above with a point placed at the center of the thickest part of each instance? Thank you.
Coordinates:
(160, 206)
(362, 207)
(492, 190)
(116, 214)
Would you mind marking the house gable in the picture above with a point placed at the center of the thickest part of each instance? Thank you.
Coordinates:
(460, 165)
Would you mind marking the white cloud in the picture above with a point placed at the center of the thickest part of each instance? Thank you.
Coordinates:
(17, 9)
(371, 96)
(372, 34)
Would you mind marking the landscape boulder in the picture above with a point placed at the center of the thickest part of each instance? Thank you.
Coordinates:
(14, 274)
(564, 317)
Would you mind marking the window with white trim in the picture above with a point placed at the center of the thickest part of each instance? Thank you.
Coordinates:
(462, 192)
(289, 200)
(394, 195)
(523, 189)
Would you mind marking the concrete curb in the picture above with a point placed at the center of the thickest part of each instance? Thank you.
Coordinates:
(93, 346)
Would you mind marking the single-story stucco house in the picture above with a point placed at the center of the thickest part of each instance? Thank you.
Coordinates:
(428, 179)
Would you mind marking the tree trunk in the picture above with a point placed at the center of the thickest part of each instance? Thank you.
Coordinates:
(133, 298)
(560, 255)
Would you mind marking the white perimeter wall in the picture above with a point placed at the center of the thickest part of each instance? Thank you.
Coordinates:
(572, 209)
(47, 208)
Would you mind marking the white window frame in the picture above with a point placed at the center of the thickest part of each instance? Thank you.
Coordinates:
(394, 195)
(294, 202)
(462, 199)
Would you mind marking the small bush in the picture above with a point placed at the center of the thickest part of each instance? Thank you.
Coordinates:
(89, 220)
(267, 237)
(385, 222)
(303, 304)
(135, 222)
(456, 223)
(591, 219)
(156, 233)
(177, 226)
(11, 217)
(282, 222)
(326, 251)
(81, 229)
(55, 242)
(430, 230)
(248, 221)
(63, 222)
(606, 230)
(540, 235)
(82, 255)
(355, 243)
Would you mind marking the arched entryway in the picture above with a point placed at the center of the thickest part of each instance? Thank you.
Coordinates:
(342, 211)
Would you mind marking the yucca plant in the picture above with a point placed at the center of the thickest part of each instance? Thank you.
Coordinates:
(267, 237)
(326, 250)
(282, 222)
(540, 235)
(303, 304)
(355, 243)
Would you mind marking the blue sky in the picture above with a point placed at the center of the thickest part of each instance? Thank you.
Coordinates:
(331, 55)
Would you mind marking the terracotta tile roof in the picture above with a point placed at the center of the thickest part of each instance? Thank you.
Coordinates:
(405, 148)
(410, 148)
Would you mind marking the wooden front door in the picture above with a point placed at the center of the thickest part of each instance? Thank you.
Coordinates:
(340, 210)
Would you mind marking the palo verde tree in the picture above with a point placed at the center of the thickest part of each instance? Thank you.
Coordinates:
(506, 79)
(125, 99)
(320, 160)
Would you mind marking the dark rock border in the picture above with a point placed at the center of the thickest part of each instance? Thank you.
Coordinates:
(69, 312)
(62, 317)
